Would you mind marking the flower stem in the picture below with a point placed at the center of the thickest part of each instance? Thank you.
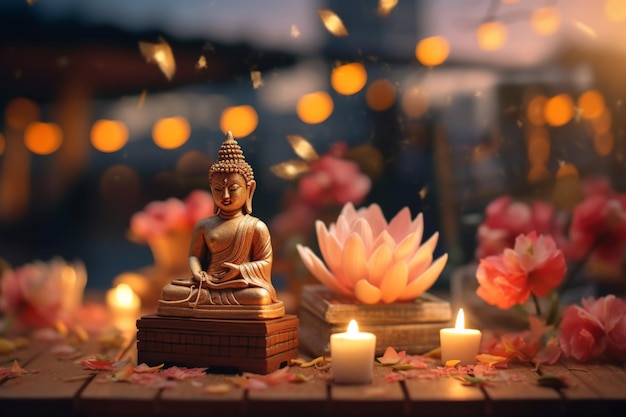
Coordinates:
(537, 307)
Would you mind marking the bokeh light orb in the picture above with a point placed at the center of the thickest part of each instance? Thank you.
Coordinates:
(171, 132)
(315, 107)
(591, 104)
(534, 110)
(43, 138)
(538, 173)
(538, 147)
(432, 51)
(603, 122)
(559, 110)
(491, 36)
(240, 120)
(615, 10)
(415, 102)
(108, 135)
(20, 112)
(545, 20)
(380, 95)
(348, 79)
(603, 143)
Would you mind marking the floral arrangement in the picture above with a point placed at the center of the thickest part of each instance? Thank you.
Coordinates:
(41, 295)
(532, 252)
(371, 260)
(158, 218)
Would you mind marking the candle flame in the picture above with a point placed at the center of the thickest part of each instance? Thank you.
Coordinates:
(124, 294)
(460, 320)
(353, 327)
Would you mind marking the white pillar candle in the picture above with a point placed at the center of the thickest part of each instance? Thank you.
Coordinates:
(459, 343)
(124, 306)
(352, 355)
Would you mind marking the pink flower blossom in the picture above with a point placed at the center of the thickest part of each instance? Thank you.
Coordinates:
(158, 218)
(332, 180)
(505, 219)
(535, 265)
(595, 329)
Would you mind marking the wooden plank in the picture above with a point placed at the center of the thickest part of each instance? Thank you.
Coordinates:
(190, 399)
(375, 399)
(444, 396)
(52, 383)
(102, 397)
(308, 398)
(518, 394)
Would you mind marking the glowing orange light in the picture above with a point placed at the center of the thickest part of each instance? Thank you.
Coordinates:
(415, 102)
(538, 173)
(240, 120)
(315, 107)
(491, 36)
(603, 122)
(615, 10)
(559, 110)
(534, 111)
(171, 132)
(566, 170)
(432, 51)
(348, 79)
(109, 135)
(545, 20)
(20, 112)
(538, 146)
(380, 95)
(603, 143)
(43, 138)
(591, 104)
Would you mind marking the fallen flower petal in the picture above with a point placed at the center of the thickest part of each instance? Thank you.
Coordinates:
(97, 364)
(180, 373)
(320, 360)
(299, 377)
(452, 363)
(143, 368)
(492, 360)
(217, 389)
(391, 357)
(473, 381)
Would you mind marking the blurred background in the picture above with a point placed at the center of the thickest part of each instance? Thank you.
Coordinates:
(107, 105)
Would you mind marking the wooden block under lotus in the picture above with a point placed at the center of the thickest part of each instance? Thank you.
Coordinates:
(257, 346)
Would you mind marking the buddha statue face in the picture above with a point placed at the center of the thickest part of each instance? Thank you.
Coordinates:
(230, 191)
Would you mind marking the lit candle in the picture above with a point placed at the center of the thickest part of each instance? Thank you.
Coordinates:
(459, 343)
(124, 306)
(352, 355)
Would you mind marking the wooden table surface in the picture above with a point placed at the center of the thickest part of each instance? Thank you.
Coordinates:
(55, 385)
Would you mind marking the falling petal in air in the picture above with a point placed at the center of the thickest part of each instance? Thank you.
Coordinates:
(332, 22)
(161, 53)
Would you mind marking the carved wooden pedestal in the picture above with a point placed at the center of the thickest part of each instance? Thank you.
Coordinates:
(257, 346)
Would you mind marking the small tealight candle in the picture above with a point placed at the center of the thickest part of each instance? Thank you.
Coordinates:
(352, 355)
(124, 306)
(459, 343)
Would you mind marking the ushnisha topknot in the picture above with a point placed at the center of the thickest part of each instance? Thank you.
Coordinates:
(230, 159)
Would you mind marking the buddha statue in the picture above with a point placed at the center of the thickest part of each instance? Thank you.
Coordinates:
(230, 255)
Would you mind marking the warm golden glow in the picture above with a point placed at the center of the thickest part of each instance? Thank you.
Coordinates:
(160, 53)
(615, 10)
(566, 170)
(559, 110)
(491, 36)
(240, 120)
(20, 112)
(432, 51)
(545, 20)
(415, 102)
(603, 122)
(3, 143)
(460, 320)
(171, 132)
(591, 104)
(538, 146)
(43, 138)
(332, 22)
(315, 107)
(353, 327)
(385, 7)
(603, 143)
(348, 79)
(380, 95)
(534, 111)
(108, 135)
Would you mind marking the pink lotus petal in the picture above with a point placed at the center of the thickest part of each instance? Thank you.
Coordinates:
(362, 228)
(418, 286)
(400, 225)
(378, 264)
(406, 248)
(376, 219)
(431, 243)
(394, 282)
(319, 270)
(330, 247)
(417, 226)
(353, 261)
(419, 262)
(384, 238)
(366, 292)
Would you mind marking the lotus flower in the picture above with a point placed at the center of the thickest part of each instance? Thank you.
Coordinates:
(372, 260)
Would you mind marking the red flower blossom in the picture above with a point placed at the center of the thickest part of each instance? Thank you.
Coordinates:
(595, 329)
(534, 266)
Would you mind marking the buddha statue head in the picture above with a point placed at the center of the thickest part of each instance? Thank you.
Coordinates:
(231, 179)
